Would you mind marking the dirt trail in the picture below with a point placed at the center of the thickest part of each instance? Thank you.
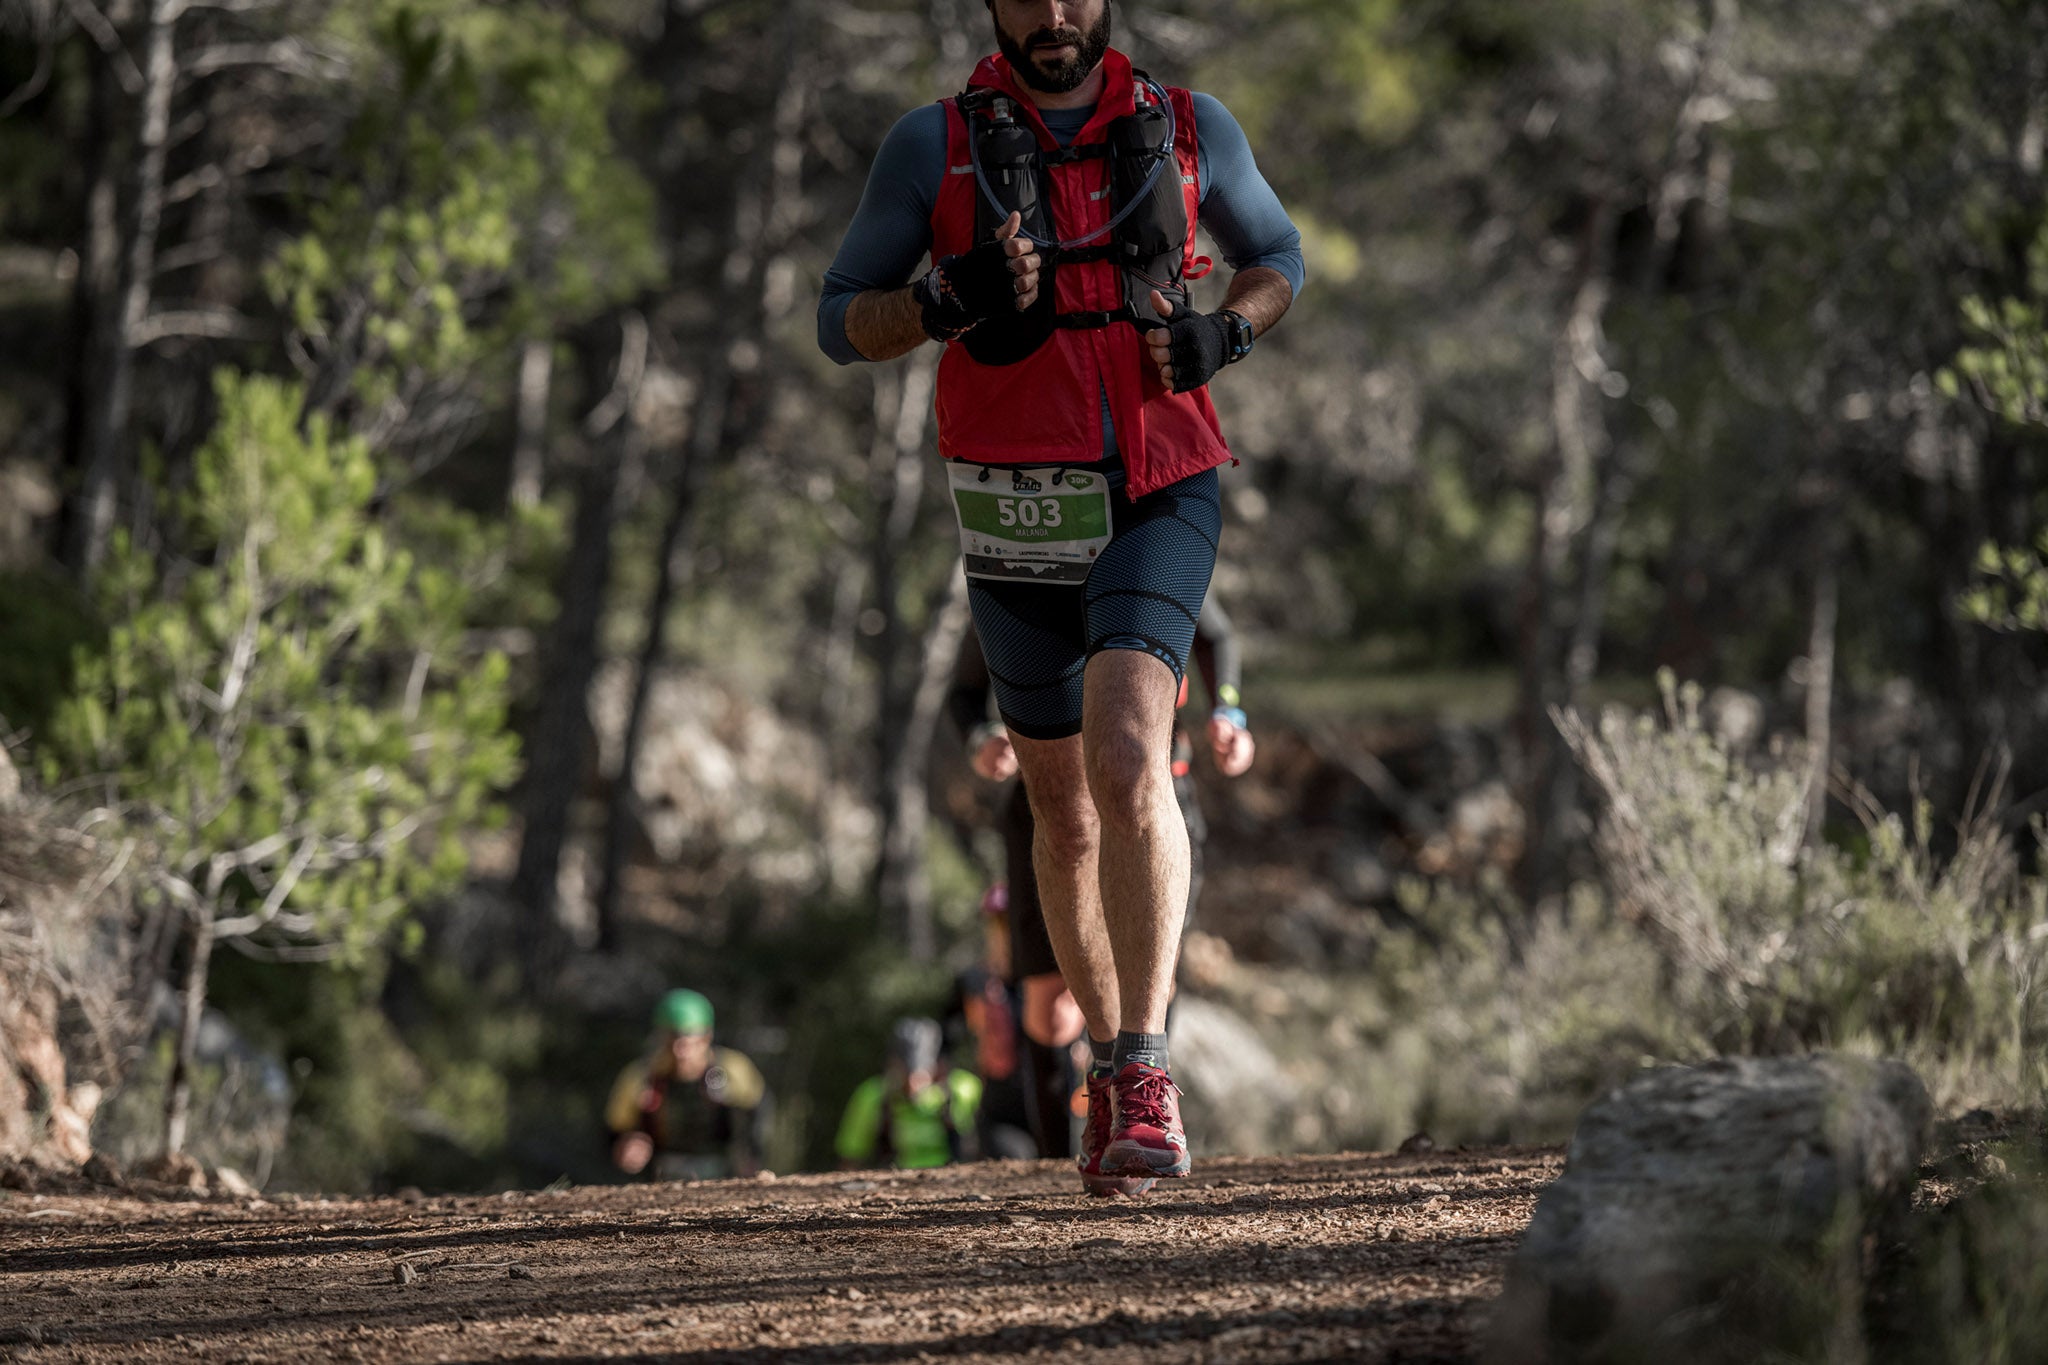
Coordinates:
(1356, 1258)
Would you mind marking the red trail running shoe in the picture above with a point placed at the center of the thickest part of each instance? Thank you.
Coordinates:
(1094, 1138)
(1146, 1137)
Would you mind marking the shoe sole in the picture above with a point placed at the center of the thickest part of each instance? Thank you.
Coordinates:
(1132, 1159)
(1116, 1186)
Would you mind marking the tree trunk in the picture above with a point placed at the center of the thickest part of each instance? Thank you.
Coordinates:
(1569, 496)
(191, 1008)
(104, 448)
(96, 300)
(1820, 684)
(558, 746)
(529, 443)
(1582, 650)
(760, 223)
(707, 432)
(842, 652)
(1588, 490)
(896, 465)
(901, 886)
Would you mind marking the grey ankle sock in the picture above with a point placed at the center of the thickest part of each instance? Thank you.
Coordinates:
(1147, 1049)
(1101, 1066)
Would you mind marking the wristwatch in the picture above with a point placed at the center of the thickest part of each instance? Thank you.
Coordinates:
(1240, 336)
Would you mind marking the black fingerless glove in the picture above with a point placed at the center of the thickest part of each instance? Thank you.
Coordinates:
(962, 290)
(1202, 343)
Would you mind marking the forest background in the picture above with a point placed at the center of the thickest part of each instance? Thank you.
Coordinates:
(446, 597)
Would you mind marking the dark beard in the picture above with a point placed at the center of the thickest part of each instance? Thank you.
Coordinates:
(1069, 74)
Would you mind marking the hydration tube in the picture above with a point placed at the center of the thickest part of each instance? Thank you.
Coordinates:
(1164, 154)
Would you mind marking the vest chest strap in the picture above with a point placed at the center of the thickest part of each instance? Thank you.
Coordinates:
(1060, 156)
(1078, 255)
(1100, 317)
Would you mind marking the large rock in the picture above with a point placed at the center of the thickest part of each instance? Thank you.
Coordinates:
(64, 974)
(1695, 1194)
(1236, 1095)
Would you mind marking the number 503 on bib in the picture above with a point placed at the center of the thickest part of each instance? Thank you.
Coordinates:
(1044, 525)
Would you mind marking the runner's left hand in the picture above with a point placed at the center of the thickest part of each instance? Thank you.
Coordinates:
(995, 759)
(1190, 348)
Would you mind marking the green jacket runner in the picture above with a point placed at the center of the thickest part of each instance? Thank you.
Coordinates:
(909, 1132)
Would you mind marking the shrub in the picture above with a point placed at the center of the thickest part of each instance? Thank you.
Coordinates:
(283, 708)
(1772, 945)
(1714, 929)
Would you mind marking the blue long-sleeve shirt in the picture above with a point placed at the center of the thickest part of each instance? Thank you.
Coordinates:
(891, 233)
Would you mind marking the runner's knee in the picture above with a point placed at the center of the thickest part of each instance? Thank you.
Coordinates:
(1068, 827)
(1126, 776)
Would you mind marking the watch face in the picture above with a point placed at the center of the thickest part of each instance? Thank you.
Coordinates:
(1241, 333)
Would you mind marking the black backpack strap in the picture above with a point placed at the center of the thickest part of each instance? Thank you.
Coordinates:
(885, 1136)
(1100, 317)
(1101, 251)
(954, 1146)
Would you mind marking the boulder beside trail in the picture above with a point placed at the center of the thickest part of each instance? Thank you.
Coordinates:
(64, 974)
(1237, 1097)
(1704, 1208)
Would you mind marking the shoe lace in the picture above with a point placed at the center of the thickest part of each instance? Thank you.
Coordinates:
(1099, 1104)
(1146, 1099)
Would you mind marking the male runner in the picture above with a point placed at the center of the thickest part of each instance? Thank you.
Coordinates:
(1052, 367)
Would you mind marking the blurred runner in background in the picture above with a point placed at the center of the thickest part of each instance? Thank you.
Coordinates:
(688, 1110)
(982, 1020)
(919, 1112)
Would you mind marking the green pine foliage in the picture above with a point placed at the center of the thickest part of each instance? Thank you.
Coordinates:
(480, 197)
(2013, 592)
(285, 707)
(2006, 367)
(2007, 372)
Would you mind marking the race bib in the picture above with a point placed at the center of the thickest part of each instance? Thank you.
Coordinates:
(1043, 524)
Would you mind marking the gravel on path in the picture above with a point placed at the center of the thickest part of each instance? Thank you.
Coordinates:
(1354, 1258)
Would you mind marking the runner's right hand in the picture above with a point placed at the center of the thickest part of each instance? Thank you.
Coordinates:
(980, 283)
(632, 1152)
(1231, 744)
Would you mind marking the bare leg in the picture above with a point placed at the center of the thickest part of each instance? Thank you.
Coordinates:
(1127, 711)
(1065, 853)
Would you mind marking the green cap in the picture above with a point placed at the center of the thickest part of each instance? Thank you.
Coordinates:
(683, 1012)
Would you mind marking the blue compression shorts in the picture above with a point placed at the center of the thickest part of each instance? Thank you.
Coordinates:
(1143, 593)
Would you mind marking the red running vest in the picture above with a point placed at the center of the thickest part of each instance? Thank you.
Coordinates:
(1047, 408)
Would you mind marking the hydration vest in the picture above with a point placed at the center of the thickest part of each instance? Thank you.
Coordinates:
(1030, 388)
(1148, 236)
